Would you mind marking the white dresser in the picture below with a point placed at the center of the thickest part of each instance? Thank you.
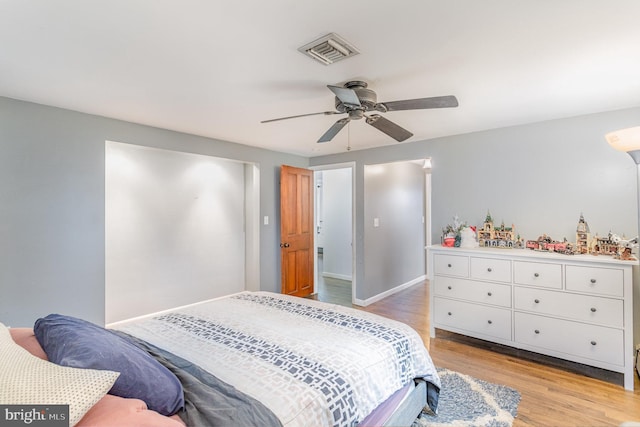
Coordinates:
(574, 307)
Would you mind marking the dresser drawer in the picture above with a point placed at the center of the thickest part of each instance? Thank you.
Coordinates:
(473, 291)
(498, 270)
(451, 265)
(538, 274)
(584, 308)
(572, 338)
(478, 319)
(602, 281)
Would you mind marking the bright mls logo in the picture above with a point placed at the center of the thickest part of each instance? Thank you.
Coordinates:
(34, 415)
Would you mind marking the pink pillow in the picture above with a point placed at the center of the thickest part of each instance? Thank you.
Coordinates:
(25, 338)
(118, 411)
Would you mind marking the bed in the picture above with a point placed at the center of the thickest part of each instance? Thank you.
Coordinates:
(260, 358)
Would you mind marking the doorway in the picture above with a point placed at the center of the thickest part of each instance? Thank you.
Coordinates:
(334, 228)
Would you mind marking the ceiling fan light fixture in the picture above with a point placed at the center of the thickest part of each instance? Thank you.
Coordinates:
(329, 49)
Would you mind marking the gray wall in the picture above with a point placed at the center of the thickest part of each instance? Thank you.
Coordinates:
(52, 206)
(394, 249)
(539, 176)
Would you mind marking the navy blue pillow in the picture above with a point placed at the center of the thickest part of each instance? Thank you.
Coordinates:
(69, 341)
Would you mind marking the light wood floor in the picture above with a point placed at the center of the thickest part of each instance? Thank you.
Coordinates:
(551, 395)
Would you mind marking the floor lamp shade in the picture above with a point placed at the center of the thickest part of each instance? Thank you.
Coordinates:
(627, 140)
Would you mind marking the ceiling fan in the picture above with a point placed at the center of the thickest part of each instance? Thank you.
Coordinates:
(354, 99)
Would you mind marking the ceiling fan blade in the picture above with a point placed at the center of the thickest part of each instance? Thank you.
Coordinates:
(326, 113)
(387, 126)
(333, 130)
(422, 103)
(346, 95)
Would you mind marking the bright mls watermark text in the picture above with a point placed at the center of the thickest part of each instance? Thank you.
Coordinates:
(34, 415)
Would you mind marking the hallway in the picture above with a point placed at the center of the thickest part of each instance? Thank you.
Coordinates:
(335, 291)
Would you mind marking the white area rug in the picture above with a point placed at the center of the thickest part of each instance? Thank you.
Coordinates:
(469, 402)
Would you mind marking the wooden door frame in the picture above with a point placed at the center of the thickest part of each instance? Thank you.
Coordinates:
(320, 168)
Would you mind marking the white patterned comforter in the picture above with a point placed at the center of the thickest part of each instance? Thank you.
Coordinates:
(311, 363)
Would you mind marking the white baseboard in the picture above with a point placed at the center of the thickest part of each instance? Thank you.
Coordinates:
(376, 298)
(336, 276)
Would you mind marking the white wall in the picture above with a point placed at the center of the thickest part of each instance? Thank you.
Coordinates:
(174, 229)
(337, 218)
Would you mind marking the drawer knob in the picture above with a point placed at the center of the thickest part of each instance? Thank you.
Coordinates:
(489, 270)
(449, 287)
(593, 309)
(536, 275)
(489, 322)
(489, 293)
(537, 331)
(593, 280)
(593, 343)
(449, 313)
(537, 301)
(449, 265)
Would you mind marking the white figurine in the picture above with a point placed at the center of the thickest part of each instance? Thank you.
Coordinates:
(468, 238)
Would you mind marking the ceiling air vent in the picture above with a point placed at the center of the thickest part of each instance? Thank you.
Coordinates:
(329, 49)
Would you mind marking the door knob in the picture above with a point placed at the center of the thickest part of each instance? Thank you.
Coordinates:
(284, 245)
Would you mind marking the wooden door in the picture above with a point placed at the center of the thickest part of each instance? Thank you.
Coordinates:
(296, 231)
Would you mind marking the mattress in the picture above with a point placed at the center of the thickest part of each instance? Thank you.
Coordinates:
(309, 363)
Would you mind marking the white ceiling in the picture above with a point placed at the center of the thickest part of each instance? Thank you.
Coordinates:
(217, 68)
